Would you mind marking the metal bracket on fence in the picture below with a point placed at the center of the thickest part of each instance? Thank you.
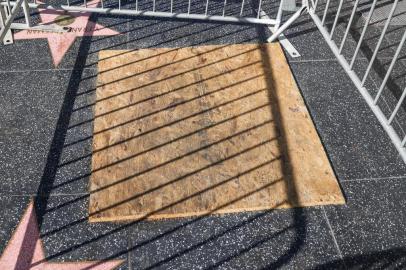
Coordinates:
(8, 36)
(284, 26)
(8, 11)
(7, 17)
(290, 49)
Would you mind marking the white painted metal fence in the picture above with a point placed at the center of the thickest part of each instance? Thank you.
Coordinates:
(228, 11)
(326, 14)
(392, 117)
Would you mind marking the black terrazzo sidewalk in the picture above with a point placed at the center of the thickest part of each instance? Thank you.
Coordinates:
(45, 154)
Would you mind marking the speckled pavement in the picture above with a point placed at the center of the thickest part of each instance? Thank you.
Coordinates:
(45, 153)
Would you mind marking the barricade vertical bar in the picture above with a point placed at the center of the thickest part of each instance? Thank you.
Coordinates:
(325, 12)
(395, 111)
(259, 8)
(364, 30)
(8, 7)
(349, 25)
(224, 8)
(2, 16)
(392, 64)
(26, 11)
(336, 18)
(188, 7)
(242, 7)
(378, 45)
(279, 14)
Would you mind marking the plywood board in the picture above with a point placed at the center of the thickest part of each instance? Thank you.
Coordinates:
(193, 131)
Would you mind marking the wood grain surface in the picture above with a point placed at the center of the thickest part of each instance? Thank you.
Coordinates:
(200, 130)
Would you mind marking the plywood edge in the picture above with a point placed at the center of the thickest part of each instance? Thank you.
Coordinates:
(204, 213)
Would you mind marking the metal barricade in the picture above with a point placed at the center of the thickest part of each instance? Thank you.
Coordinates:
(8, 12)
(228, 11)
(319, 11)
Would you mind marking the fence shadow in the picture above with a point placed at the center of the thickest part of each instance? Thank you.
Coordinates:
(53, 164)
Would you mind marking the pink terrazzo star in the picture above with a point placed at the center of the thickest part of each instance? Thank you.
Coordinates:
(24, 250)
(59, 43)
